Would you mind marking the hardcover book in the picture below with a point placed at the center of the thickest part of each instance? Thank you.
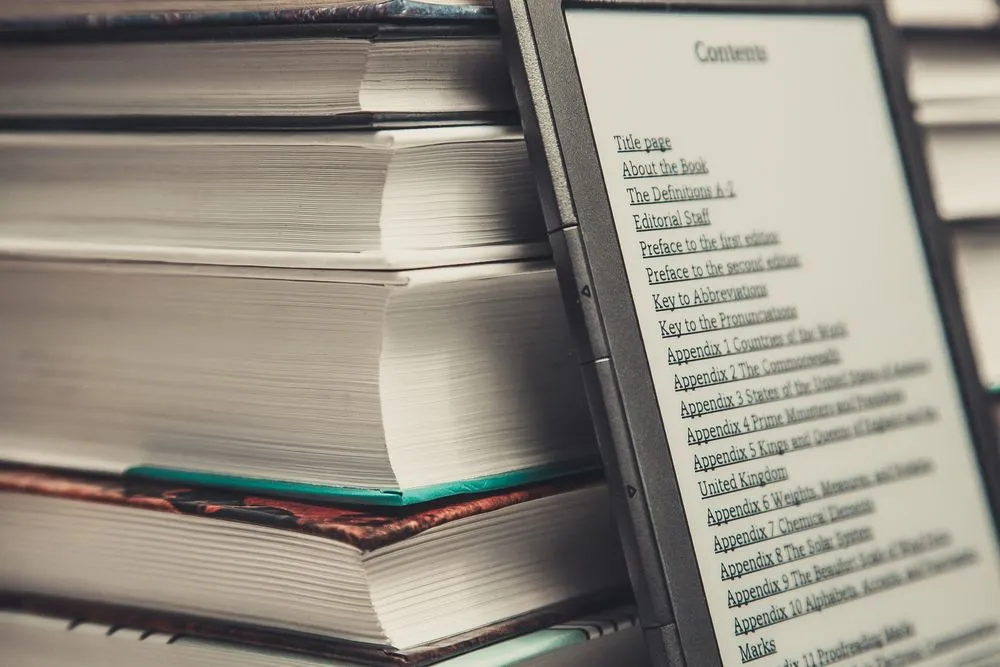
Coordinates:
(586, 633)
(376, 387)
(280, 63)
(351, 200)
(395, 580)
(409, 72)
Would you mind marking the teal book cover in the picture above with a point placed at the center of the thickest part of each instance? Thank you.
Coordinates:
(365, 496)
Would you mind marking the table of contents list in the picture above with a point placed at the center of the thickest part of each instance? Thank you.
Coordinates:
(801, 368)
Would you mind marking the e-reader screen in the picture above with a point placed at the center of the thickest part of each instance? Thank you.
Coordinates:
(798, 355)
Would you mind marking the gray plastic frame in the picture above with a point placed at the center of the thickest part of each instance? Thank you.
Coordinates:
(646, 498)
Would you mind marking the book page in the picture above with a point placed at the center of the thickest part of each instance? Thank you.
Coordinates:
(800, 363)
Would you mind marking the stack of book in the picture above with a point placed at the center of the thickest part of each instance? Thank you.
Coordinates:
(284, 372)
(954, 83)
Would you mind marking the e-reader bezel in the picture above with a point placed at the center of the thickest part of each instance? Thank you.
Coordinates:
(574, 195)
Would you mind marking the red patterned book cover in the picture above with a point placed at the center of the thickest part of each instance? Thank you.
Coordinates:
(365, 528)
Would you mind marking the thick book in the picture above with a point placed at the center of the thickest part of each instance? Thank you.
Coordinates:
(363, 199)
(378, 387)
(306, 75)
(396, 580)
(85, 634)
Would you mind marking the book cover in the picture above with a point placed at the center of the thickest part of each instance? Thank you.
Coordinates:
(355, 495)
(312, 13)
(364, 528)
(487, 96)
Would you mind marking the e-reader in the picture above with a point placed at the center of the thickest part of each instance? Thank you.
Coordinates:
(803, 464)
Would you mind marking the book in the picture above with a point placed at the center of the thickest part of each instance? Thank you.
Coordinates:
(30, 15)
(954, 112)
(386, 199)
(384, 74)
(87, 633)
(381, 387)
(389, 579)
(962, 161)
(954, 81)
(977, 268)
(938, 14)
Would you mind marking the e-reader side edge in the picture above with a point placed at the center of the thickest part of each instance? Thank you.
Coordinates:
(647, 503)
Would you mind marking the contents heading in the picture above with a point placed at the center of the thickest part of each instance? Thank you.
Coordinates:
(727, 53)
